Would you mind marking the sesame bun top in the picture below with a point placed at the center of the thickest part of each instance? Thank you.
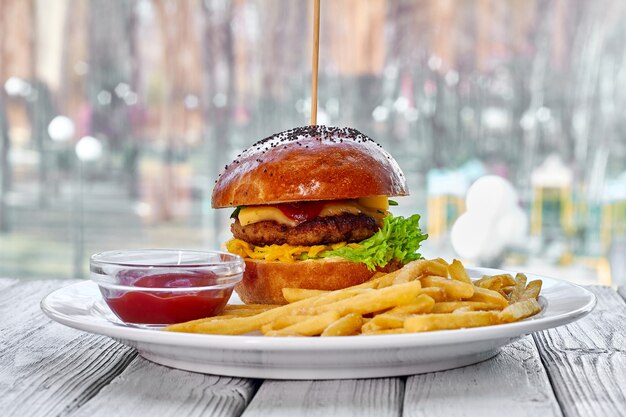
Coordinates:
(307, 164)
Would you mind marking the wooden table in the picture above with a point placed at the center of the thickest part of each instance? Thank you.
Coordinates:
(47, 369)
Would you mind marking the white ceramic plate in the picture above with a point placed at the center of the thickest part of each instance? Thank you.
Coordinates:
(254, 356)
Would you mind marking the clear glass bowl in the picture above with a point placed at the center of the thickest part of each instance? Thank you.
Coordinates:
(165, 286)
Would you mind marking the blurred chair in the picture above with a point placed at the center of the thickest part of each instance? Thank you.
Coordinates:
(552, 187)
(445, 199)
(613, 212)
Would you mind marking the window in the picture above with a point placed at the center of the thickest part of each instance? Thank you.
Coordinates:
(116, 117)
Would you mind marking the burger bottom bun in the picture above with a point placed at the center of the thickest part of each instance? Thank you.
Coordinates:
(263, 281)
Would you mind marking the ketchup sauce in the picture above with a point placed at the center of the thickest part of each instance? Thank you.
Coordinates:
(302, 211)
(166, 307)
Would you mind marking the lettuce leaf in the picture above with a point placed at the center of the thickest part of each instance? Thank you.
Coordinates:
(398, 239)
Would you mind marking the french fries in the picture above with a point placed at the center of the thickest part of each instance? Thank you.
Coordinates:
(347, 325)
(370, 302)
(450, 306)
(437, 294)
(312, 326)
(532, 290)
(520, 310)
(455, 289)
(282, 322)
(518, 289)
(488, 296)
(425, 295)
(428, 322)
(458, 272)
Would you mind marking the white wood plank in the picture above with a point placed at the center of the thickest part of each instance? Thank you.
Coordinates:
(7, 282)
(514, 383)
(359, 398)
(586, 360)
(47, 369)
(147, 389)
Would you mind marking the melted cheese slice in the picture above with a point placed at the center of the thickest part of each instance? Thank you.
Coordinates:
(255, 214)
(372, 206)
(281, 253)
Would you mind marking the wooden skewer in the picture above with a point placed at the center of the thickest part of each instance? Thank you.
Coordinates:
(316, 54)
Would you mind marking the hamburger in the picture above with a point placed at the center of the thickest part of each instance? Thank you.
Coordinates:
(311, 210)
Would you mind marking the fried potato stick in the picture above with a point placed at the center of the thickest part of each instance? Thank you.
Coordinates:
(457, 272)
(428, 322)
(520, 310)
(371, 302)
(345, 326)
(532, 290)
(313, 326)
(450, 306)
(488, 296)
(454, 289)
(518, 290)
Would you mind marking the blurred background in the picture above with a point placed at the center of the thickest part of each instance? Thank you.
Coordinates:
(506, 117)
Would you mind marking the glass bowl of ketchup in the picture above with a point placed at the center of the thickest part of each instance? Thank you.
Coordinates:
(155, 287)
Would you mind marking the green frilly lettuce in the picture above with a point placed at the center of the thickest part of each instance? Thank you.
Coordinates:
(398, 239)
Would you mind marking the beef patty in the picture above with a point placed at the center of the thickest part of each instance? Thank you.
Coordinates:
(319, 231)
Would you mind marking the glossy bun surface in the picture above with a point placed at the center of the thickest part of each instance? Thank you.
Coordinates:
(307, 164)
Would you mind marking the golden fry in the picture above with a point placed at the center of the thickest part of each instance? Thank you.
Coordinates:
(520, 286)
(436, 293)
(532, 290)
(370, 327)
(339, 295)
(441, 261)
(450, 306)
(495, 282)
(384, 331)
(488, 296)
(422, 304)
(491, 283)
(520, 310)
(435, 268)
(389, 321)
(506, 291)
(455, 289)
(405, 275)
(457, 272)
(282, 322)
(372, 301)
(312, 326)
(481, 282)
(428, 322)
(413, 268)
(394, 318)
(346, 326)
(507, 280)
